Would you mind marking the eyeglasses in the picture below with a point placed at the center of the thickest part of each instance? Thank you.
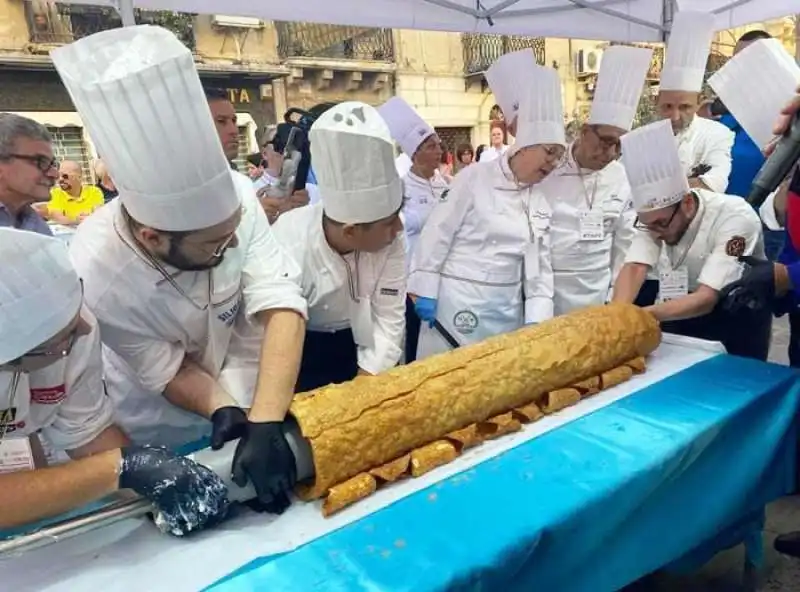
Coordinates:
(43, 163)
(656, 226)
(607, 142)
(220, 250)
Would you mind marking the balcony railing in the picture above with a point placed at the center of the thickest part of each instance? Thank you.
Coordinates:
(334, 42)
(54, 24)
(481, 49)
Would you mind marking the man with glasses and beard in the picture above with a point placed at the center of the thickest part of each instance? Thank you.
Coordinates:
(698, 236)
(27, 172)
(181, 258)
(592, 215)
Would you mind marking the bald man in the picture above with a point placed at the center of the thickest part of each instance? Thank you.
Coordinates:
(72, 201)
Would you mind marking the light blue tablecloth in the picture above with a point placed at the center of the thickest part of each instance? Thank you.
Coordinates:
(588, 507)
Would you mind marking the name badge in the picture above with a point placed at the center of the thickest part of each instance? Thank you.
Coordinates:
(15, 455)
(591, 226)
(673, 283)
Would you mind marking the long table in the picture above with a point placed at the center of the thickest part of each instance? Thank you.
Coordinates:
(605, 497)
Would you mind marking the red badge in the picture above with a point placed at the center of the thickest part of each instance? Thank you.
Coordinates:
(735, 247)
(49, 395)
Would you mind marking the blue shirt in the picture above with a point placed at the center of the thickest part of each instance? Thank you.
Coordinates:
(746, 159)
(26, 219)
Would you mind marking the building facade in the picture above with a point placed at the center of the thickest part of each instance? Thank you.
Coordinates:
(268, 67)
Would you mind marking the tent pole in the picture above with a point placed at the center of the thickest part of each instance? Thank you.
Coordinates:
(668, 13)
(125, 10)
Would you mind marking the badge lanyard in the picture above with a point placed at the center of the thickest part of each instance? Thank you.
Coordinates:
(155, 264)
(691, 238)
(589, 198)
(11, 395)
(353, 281)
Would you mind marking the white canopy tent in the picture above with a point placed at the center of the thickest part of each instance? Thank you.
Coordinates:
(612, 20)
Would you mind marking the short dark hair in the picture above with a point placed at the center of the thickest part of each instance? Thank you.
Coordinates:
(754, 35)
(256, 159)
(464, 149)
(216, 94)
(320, 108)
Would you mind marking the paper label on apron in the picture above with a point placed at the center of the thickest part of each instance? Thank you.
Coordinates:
(361, 323)
(15, 455)
(591, 226)
(673, 283)
(531, 260)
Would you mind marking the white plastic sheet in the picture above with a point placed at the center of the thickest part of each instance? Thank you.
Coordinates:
(614, 20)
(132, 555)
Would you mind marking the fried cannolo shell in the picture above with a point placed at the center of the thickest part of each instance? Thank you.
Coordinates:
(616, 376)
(588, 387)
(347, 493)
(528, 413)
(466, 437)
(433, 455)
(393, 470)
(638, 365)
(560, 399)
(359, 425)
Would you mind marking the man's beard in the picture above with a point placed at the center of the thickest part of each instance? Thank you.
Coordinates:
(177, 260)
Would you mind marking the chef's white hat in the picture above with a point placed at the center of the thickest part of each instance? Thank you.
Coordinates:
(756, 84)
(407, 128)
(619, 86)
(138, 92)
(687, 51)
(40, 293)
(504, 77)
(541, 111)
(353, 155)
(653, 167)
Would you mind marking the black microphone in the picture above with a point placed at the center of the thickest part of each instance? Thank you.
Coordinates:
(778, 165)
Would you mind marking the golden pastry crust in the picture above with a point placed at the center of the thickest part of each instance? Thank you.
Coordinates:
(436, 454)
(347, 493)
(588, 387)
(354, 427)
(638, 365)
(499, 425)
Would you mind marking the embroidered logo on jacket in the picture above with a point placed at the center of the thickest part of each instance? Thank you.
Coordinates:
(389, 292)
(228, 316)
(465, 322)
(51, 395)
(735, 247)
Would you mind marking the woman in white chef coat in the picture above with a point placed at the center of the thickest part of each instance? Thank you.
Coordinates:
(51, 386)
(351, 249)
(589, 192)
(704, 145)
(700, 234)
(423, 187)
(486, 244)
(181, 257)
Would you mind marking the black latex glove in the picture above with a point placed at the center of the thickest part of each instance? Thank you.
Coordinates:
(187, 496)
(755, 290)
(264, 456)
(228, 423)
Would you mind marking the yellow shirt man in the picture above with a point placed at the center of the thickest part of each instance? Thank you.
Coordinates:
(71, 207)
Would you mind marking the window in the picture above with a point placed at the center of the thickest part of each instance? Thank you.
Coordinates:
(68, 145)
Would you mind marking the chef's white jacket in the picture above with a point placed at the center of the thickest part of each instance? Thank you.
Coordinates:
(707, 142)
(326, 279)
(584, 270)
(491, 153)
(480, 231)
(720, 222)
(148, 325)
(419, 197)
(65, 401)
(403, 164)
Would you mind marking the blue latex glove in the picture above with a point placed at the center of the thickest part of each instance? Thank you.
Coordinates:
(426, 309)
